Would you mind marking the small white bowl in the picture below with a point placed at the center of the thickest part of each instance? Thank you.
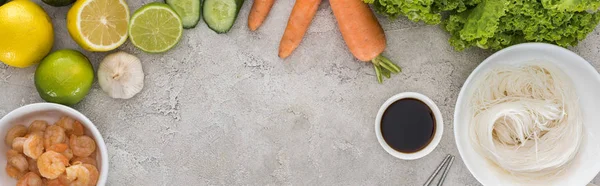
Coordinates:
(439, 126)
(51, 113)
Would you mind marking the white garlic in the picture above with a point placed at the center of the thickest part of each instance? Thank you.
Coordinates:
(121, 75)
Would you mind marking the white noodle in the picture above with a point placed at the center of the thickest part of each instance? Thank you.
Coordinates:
(526, 120)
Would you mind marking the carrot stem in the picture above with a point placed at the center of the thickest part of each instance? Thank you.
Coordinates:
(386, 73)
(383, 68)
(378, 73)
(396, 68)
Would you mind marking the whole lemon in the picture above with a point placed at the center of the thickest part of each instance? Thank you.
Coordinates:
(26, 33)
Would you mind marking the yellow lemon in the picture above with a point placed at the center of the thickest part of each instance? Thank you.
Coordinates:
(98, 25)
(26, 34)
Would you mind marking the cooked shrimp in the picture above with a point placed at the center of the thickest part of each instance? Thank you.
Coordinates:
(10, 153)
(51, 164)
(59, 147)
(60, 181)
(13, 172)
(33, 165)
(33, 146)
(79, 175)
(68, 153)
(15, 131)
(78, 128)
(82, 146)
(54, 134)
(38, 125)
(55, 182)
(94, 174)
(30, 179)
(17, 144)
(84, 160)
(70, 125)
(17, 160)
(63, 179)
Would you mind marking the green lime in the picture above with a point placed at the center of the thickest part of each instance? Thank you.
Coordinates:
(57, 3)
(155, 28)
(64, 77)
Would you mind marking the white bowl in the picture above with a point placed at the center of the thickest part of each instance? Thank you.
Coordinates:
(439, 126)
(51, 113)
(586, 81)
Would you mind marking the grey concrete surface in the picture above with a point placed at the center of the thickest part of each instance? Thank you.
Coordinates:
(225, 110)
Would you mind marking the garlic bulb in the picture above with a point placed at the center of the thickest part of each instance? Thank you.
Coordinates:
(121, 75)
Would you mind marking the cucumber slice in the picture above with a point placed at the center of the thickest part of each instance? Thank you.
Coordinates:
(188, 11)
(220, 15)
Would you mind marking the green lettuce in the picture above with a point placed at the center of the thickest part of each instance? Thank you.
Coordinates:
(496, 24)
(572, 5)
(428, 11)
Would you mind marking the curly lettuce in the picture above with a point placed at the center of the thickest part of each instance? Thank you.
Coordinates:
(572, 5)
(428, 11)
(496, 24)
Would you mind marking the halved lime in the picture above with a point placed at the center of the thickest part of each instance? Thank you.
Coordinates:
(155, 28)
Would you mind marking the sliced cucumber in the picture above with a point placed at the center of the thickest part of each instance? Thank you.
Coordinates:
(188, 11)
(220, 15)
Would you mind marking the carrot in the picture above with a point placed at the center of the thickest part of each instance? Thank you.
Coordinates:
(302, 15)
(363, 35)
(258, 13)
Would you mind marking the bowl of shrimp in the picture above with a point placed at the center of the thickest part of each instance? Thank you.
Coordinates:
(51, 144)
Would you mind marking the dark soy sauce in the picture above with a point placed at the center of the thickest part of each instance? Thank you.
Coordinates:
(408, 125)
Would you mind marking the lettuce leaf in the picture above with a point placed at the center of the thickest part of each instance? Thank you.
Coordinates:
(496, 24)
(415, 10)
(572, 5)
(428, 11)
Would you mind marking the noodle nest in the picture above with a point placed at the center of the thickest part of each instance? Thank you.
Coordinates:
(526, 120)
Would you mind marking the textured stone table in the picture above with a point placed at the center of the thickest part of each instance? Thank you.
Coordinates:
(225, 110)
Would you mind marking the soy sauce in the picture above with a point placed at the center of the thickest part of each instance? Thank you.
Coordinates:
(408, 125)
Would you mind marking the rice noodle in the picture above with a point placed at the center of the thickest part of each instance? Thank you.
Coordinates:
(526, 120)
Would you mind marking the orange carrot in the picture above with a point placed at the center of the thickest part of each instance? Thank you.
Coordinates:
(302, 15)
(363, 34)
(258, 13)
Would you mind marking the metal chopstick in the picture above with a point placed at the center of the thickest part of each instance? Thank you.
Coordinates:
(437, 170)
(446, 172)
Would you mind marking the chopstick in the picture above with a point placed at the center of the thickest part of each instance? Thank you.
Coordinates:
(447, 161)
(446, 171)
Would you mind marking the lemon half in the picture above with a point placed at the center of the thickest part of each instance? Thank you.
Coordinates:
(98, 25)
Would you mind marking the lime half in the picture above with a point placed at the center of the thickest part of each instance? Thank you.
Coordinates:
(64, 77)
(155, 28)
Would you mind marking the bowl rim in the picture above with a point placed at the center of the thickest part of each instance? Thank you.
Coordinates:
(36, 107)
(439, 124)
(461, 96)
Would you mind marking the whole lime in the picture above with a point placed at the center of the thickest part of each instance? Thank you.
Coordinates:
(64, 77)
(57, 3)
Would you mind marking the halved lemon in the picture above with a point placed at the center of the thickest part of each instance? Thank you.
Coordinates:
(98, 25)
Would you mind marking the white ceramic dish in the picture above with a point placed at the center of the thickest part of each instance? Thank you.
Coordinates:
(50, 113)
(439, 126)
(587, 84)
